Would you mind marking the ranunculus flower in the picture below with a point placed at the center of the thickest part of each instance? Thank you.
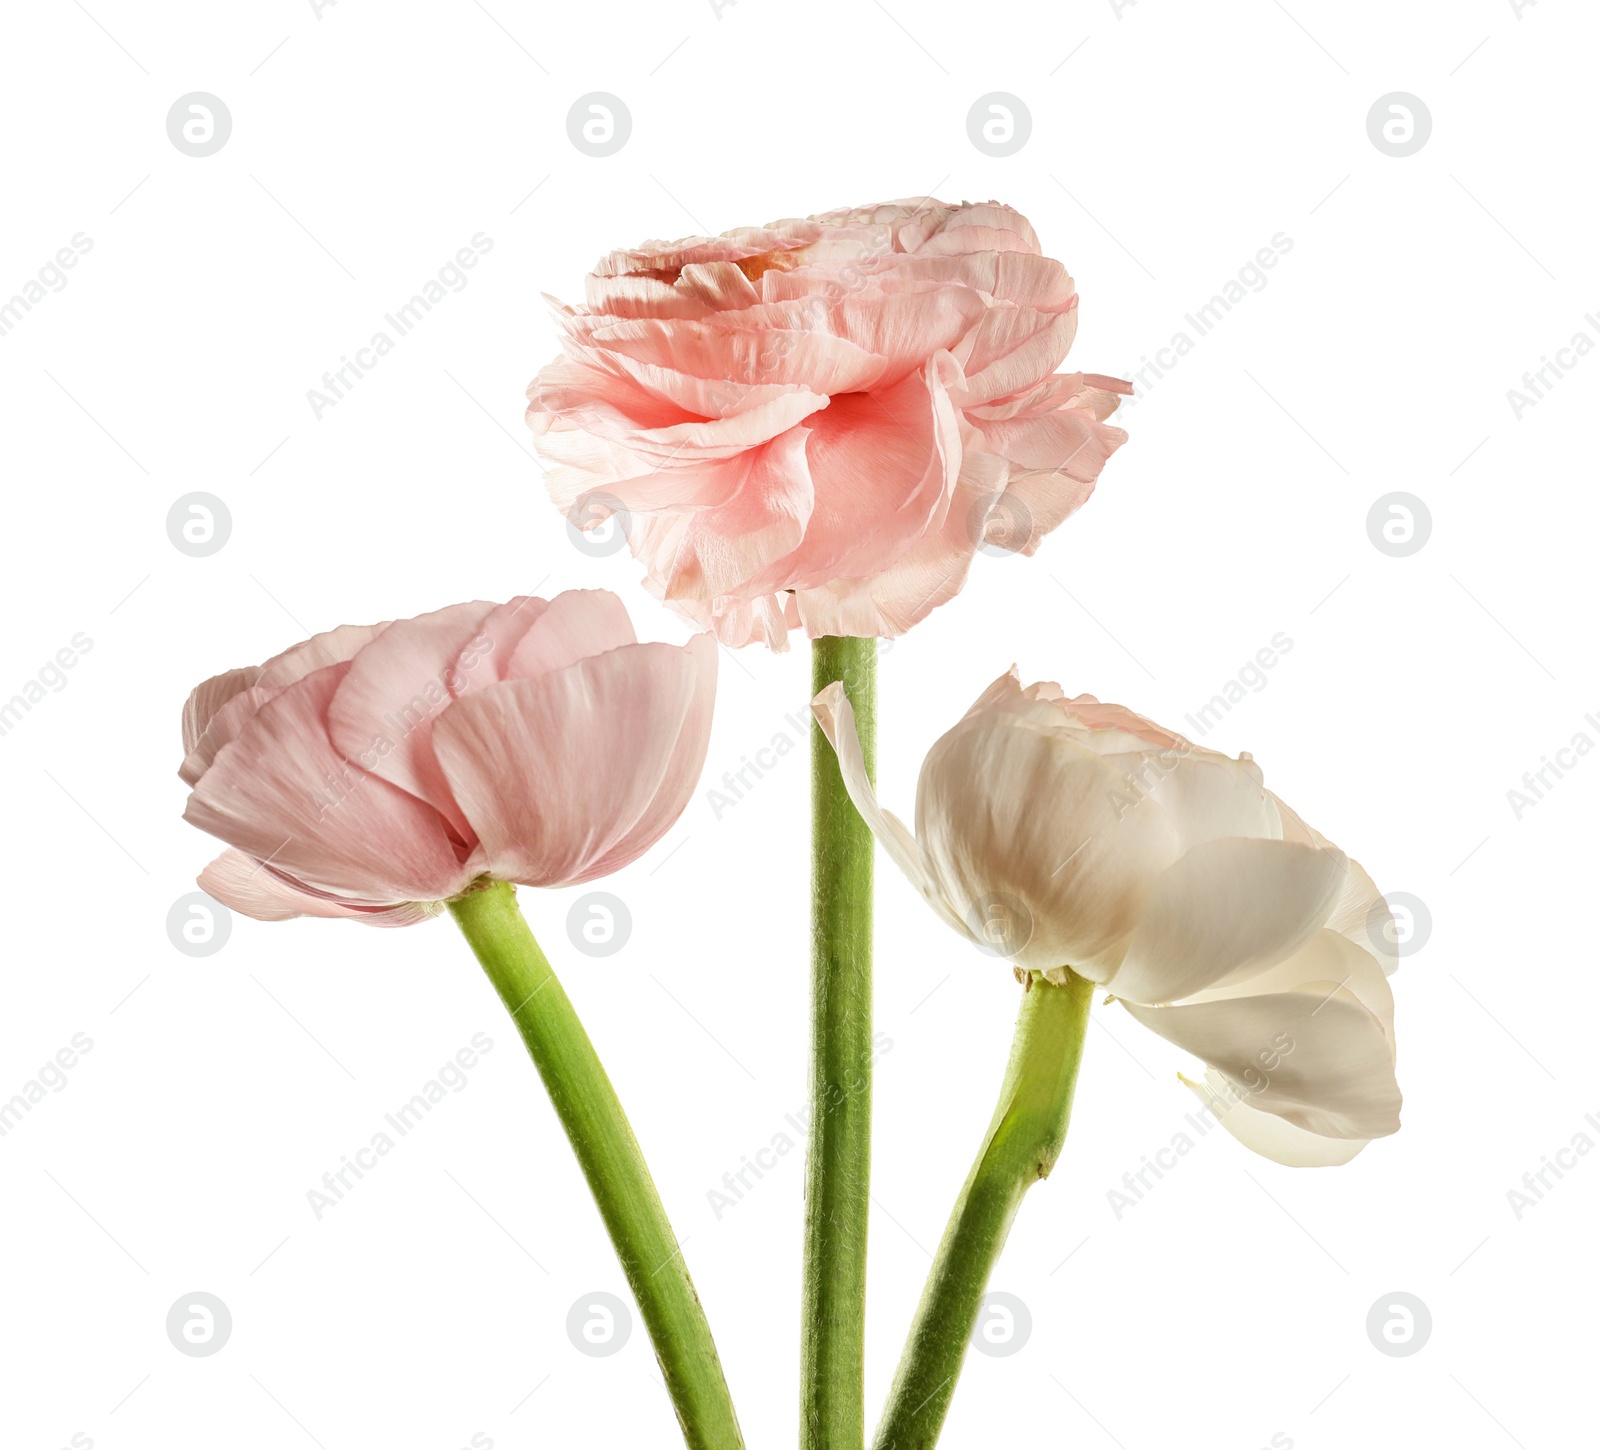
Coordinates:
(377, 770)
(1065, 833)
(817, 423)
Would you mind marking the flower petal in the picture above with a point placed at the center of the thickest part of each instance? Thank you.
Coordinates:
(883, 468)
(331, 647)
(1208, 796)
(575, 773)
(281, 792)
(1227, 909)
(1329, 956)
(1313, 1056)
(1055, 459)
(224, 725)
(1011, 350)
(710, 554)
(210, 696)
(578, 623)
(1014, 813)
(928, 574)
(1267, 1134)
(245, 885)
(1361, 913)
(837, 719)
(395, 688)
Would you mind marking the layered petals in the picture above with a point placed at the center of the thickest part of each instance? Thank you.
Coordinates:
(1068, 835)
(283, 792)
(575, 773)
(532, 741)
(1227, 910)
(818, 423)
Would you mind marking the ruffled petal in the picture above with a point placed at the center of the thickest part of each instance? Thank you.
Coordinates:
(930, 572)
(712, 554)
(1011, 350)
(1055, 459)
(883, 467)
(772, 343)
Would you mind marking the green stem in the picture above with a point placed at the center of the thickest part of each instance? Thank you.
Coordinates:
(1021, 1147)
(609, 1155)
(834, 1283)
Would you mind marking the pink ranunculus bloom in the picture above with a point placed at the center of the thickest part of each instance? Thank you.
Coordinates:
(817, 424)
(375, 771)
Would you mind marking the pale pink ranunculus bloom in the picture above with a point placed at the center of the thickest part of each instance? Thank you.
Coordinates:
(816, 424)
(1066, 833)
(375, 771)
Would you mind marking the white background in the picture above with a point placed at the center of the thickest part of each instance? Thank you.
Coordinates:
(1169, 143)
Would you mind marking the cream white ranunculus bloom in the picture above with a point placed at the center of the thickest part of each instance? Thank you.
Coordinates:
(1068, 834)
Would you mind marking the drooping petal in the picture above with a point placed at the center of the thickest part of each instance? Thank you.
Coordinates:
(575, 772)
(1272, 1137)
(837, 717)
(1314, 1056)
(1227, 909)
(243, 884)
(283, 793)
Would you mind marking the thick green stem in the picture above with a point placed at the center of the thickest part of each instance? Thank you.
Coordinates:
(1021, 1147)
(837, 1163)
(609, 1155)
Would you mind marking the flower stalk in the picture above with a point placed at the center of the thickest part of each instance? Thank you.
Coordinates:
(609, 1155)
(1022, 1144)
(839, 1150)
